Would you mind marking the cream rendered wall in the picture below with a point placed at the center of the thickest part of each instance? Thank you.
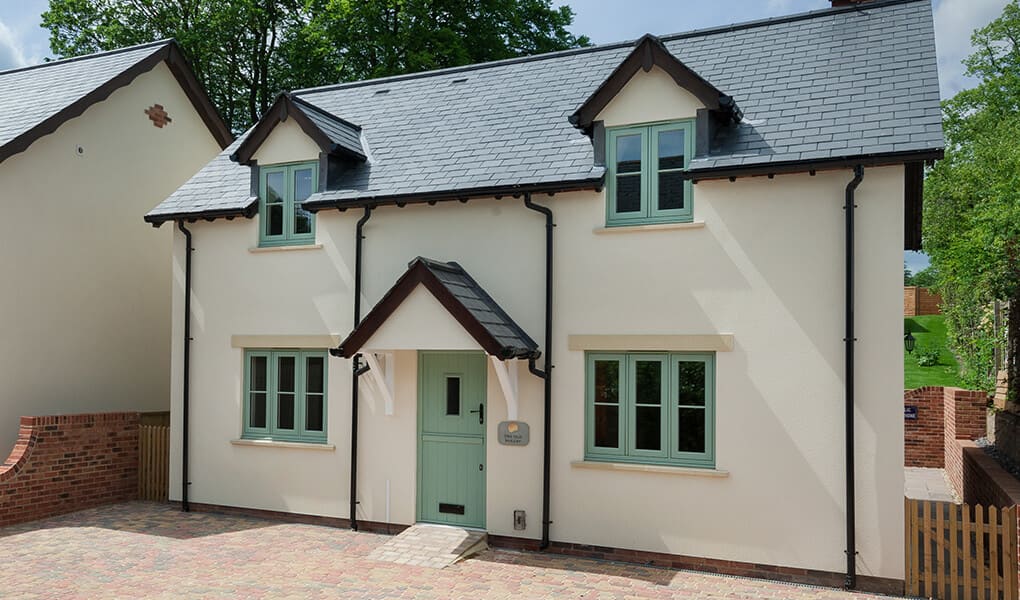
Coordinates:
(766, 268)
(287, 143)
(86, 290)
(647, 98)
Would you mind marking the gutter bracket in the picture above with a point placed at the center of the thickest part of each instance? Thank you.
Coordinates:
(506, 373)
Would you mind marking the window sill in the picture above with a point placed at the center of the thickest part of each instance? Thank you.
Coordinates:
(664, 469)
(277, 444)
(654, 227)
(261, 249)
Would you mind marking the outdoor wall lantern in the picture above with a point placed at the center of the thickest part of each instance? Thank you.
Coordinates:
(908, 342)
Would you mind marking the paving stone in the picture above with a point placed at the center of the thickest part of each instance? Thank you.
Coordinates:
(147, 550)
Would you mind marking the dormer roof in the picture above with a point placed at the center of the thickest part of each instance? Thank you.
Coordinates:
(650, 52)
(330, 133)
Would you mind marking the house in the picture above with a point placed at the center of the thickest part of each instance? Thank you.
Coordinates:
(87, 146)
(595, 300)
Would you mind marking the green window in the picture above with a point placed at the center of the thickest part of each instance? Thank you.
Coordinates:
(646, 183)
(282, 189)
(285, 395)
(651, 408)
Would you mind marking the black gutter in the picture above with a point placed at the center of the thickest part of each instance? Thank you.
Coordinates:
(806, 166)
(849, 339)
(588, 183)
(356, 369)
(185, 506)
(247, 212)
(546, 373)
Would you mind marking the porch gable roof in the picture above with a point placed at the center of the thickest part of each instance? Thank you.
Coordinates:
(465, 300)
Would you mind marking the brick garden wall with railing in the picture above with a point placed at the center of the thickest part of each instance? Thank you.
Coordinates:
(65, 463)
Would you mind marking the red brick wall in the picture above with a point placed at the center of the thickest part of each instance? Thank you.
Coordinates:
(965, 419)
(920, 301)
(923, 443)
(69, 462)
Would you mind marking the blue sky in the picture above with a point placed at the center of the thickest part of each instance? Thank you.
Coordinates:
(24, 42)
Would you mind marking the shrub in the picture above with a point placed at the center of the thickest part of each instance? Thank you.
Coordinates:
(928, 356)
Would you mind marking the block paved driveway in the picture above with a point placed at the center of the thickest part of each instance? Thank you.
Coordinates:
(144, 550)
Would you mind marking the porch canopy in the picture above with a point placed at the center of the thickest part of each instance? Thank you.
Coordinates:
(485, 323)
(465, 300)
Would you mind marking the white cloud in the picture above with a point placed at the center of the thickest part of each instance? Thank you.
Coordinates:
(11, 55)
(955, 21)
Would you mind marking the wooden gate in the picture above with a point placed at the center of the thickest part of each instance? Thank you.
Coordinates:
(959, 551)
(153, 462)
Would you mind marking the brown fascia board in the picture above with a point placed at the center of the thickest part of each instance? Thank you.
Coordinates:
(247, 212)
(810, 166)
(417, 274)
(648, 52)
(193, 88)
(169, 53)
(462, 195)
(285, 107)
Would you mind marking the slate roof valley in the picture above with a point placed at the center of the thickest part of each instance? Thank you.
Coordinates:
(840, 83)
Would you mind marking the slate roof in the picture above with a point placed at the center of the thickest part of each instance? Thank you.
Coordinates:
(833, 84)
(35, 100)
(466, 301)
(342, 133)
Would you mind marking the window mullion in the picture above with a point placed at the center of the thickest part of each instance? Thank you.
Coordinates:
(271, 395)
(300, 399)
(288, 203)
(647, 172)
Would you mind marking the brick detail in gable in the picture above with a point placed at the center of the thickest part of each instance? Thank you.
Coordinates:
(158, 115)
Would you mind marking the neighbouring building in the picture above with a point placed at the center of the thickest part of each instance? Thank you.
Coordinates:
(87, 146)
(378, 297)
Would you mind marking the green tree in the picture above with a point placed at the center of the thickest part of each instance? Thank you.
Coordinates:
(349, 40)
(926, 278)
(246, 51)
(972, 204)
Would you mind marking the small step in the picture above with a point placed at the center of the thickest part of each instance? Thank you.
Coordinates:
(428, 545)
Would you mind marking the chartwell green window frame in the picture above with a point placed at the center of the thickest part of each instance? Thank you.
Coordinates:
(649, 214)
(668, 453)
(272, 430)
(288, 237)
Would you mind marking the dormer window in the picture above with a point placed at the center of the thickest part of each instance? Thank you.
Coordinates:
(282, 221)
(646, 181)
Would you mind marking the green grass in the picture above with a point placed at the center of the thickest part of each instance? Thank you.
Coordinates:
(930, 330)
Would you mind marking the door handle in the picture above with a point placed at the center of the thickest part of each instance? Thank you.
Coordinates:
(481, 414)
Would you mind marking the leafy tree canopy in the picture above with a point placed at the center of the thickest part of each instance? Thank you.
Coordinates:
(972, 202)
(246, 51)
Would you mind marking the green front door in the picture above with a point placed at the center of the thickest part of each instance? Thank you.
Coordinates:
(451, 438)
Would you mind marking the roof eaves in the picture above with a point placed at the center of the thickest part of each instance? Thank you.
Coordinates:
(248, 211)
(314, 204)
(805, 166)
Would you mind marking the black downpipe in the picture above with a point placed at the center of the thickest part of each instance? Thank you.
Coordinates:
(849, 339)
(356, 366)
(546, 373)
(185, 506)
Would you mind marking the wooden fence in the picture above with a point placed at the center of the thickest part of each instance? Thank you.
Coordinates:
(959, 551)
(153, 462)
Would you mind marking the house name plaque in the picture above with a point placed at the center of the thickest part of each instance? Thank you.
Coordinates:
(514, 433)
